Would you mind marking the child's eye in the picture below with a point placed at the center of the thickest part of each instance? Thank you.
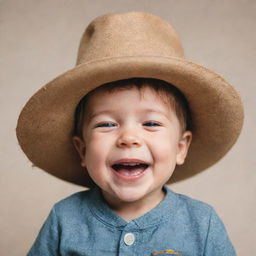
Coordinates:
(151, 123)
(105, 124)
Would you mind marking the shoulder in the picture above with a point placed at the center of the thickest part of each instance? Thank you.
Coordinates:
(193, 205)
(183, 201)
(73, 204)
(194, 218)
(192, 211)
(199, 218)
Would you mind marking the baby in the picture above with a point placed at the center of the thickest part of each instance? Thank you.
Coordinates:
(120, 123)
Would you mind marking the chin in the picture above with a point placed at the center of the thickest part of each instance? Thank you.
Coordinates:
(124, 194)
(130, 199)
(129, 196)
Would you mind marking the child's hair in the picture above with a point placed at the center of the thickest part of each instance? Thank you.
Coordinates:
(167, 92)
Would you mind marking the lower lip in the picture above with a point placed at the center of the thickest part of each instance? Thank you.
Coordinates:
(130, 178)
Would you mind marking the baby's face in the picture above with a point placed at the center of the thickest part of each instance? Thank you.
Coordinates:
(131, 144)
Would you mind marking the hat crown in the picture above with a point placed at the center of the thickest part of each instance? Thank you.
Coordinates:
(130, 34)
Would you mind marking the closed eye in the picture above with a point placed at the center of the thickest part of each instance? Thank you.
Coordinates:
(105, 124)
(151, 123)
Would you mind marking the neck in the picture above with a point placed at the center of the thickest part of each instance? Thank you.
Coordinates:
(135, 209)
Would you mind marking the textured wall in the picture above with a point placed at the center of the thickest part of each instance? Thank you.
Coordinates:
(39, 40)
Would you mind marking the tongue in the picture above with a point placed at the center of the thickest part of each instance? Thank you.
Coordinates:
(131, 172)
(127, 170)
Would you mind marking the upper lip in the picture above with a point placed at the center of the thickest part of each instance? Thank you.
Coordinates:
(129, 161)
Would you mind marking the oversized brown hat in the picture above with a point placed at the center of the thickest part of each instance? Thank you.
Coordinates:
(121, 46)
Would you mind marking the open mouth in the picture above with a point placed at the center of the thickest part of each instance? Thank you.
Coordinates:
(130, 169)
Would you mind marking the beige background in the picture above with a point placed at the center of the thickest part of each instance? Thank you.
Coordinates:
(39, 40)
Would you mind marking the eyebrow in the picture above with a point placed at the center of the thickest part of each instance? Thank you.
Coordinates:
(102, 112)
(148, 110)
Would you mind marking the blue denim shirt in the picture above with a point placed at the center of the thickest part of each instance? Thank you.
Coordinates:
(84, 225)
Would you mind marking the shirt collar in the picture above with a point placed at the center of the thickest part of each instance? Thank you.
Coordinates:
(163, 211)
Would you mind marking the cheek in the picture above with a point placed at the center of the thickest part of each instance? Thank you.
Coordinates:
(92, 154)
(94, 160)
(165, 149)
(97, 147)
(166, 142)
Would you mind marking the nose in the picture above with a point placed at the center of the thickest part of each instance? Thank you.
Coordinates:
(129, 138)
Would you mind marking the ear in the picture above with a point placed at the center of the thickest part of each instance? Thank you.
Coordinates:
(81, 149)
(183, 146)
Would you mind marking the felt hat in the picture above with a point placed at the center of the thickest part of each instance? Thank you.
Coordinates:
(122, 46)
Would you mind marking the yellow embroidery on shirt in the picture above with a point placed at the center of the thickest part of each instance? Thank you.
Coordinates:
(166, 251)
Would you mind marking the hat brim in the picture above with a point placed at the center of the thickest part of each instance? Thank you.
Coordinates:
(45, 124)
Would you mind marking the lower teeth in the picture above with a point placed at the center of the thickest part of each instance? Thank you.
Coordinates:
(130, 170)
(131, 173)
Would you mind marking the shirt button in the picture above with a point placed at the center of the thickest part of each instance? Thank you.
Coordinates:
(129, 239)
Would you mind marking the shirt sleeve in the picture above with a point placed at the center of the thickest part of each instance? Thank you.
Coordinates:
(47, 241)
(217, 242)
